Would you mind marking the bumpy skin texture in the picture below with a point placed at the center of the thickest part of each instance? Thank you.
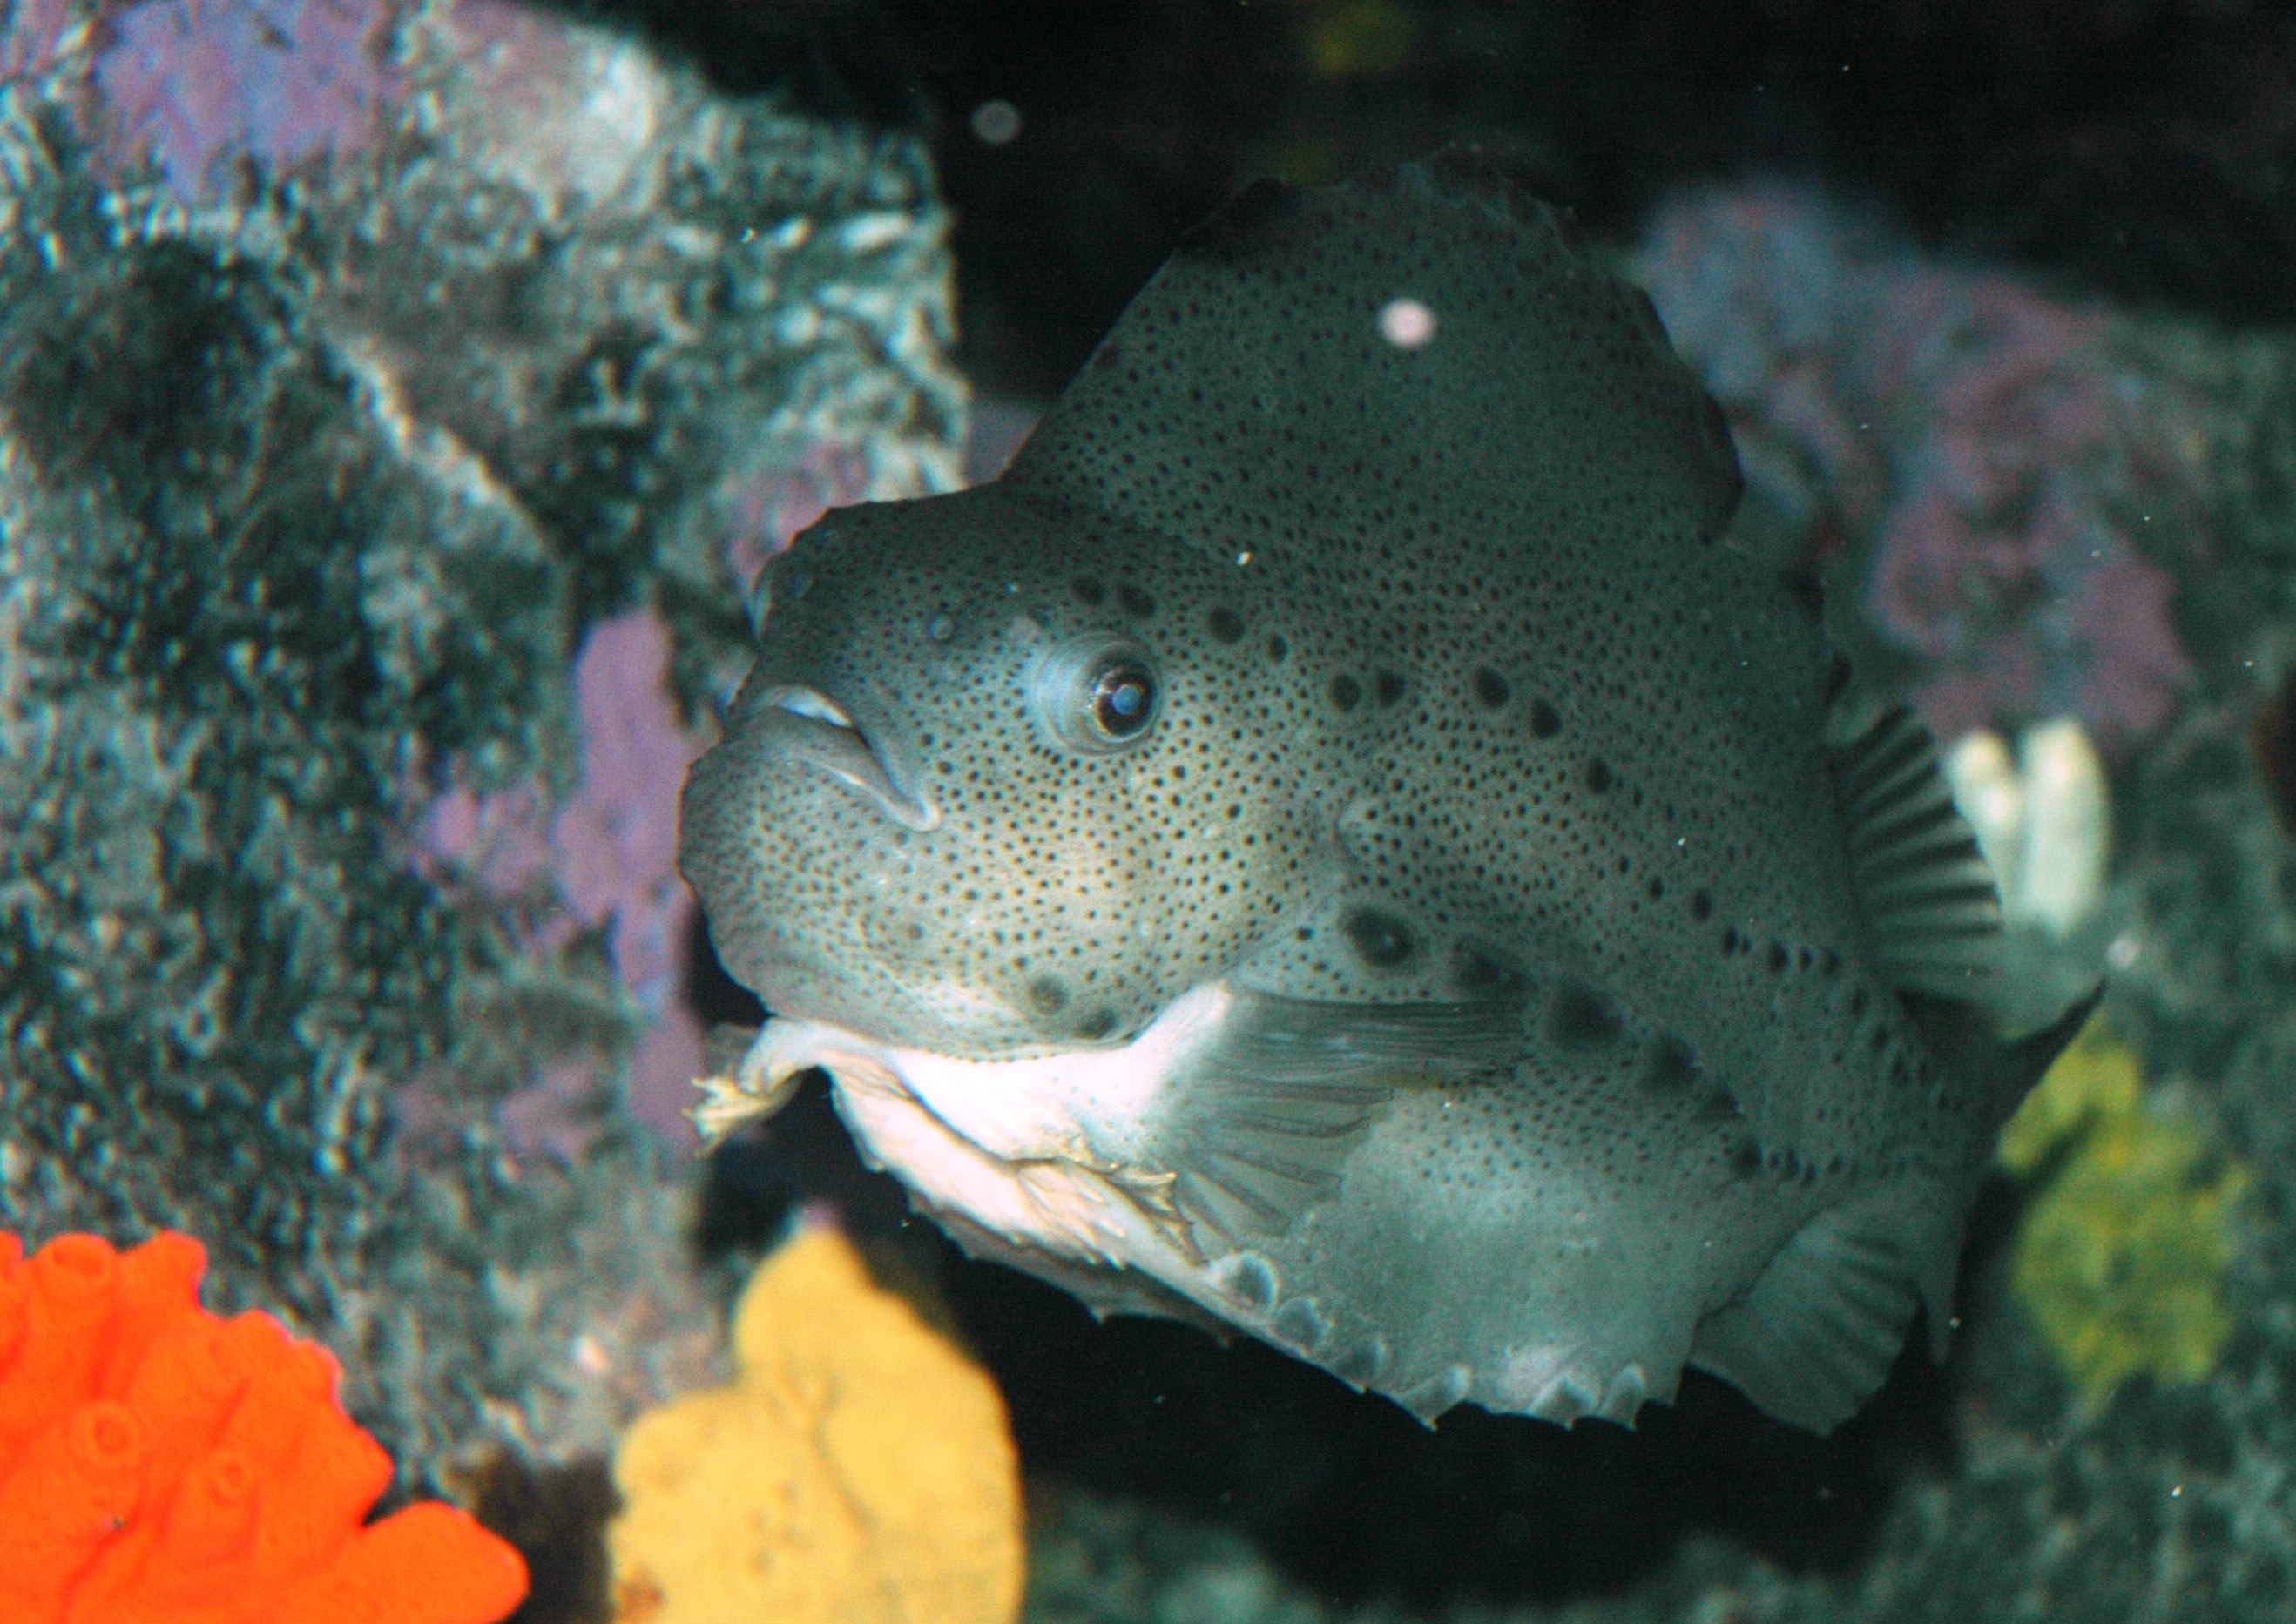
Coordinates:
(1464, 704)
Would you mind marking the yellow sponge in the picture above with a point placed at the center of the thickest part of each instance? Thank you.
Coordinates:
(859, 1470)
(2122, 1260)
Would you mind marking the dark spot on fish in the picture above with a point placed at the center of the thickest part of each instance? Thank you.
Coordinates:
(1277, 648)
(1880, 1039)
(1047, 994)
(1801, 580)
(799, 584)
(1096, 1023)
(1386, 686)
(1476, 974)
(1779, 958)
(1746, 1159)
(1581, 1017)
(1857, 1004)
(1598, 777)
(1225, 626)
(1731, 939)
(1088, 591)
(1490, 688)
(1673, 1066)
(1347, 693)
(1829, 963)
(1545, 722)
(1380, 939)
(1701, 906)
(1717, 1104)
(1837, 678)
(1658, 891)
(1135, 602)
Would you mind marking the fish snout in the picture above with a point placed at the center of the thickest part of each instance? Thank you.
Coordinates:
(806, 728)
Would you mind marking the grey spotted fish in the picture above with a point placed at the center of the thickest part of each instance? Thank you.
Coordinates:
(1335, 844)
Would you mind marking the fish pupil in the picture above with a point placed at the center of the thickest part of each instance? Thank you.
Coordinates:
(1121, 697)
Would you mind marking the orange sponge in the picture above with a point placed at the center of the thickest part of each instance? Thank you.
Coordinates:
(159, 1465)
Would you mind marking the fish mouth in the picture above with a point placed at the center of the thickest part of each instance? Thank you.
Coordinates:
(807, 726)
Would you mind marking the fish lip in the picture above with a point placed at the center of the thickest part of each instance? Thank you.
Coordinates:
(806, 726)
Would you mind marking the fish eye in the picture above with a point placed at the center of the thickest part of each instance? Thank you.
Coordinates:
(1096, 695)
(1123, 698)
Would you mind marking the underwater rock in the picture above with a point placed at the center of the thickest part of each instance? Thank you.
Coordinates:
(2167, 1501)
(600, 863)
(859, 1471)
(2007, 480)
(330, 424)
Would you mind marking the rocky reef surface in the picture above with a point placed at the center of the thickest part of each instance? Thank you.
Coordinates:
(394, 401)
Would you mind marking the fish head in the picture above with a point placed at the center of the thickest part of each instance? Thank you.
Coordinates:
(1003, 780)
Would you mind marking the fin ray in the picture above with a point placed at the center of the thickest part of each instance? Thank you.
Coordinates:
(1817, 1333)
(1257, 1124)
(1932, 911)
(1296, 1046)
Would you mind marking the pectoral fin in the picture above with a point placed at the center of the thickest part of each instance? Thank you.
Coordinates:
(1257, 1123)
(1815, 1334)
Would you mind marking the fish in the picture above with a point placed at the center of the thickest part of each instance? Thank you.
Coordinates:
(1336, 844)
